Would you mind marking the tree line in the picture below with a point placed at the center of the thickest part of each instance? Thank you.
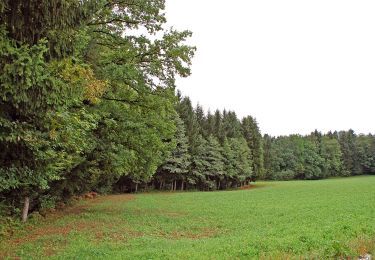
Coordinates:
(213, 151)
(84, 98)
(318, 155)
(219, 151)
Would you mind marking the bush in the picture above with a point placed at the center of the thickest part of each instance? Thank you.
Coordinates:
(47, 202)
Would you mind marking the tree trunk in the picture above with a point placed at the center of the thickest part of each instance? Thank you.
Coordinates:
(136, 187)
(182, 185)
(25, 211)
(218, 185)
(175, 186)
(172, 188)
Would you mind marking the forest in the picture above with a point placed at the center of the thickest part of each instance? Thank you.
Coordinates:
(88, 104)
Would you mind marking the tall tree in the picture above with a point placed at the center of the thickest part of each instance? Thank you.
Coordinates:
(349, 151)
(332, 155)
(242, 158)
(253, 138)
(230, 170)
(268, 156)
(188, 116)
(215, 167)
(176, 165)
(81, 95)
(44, 129)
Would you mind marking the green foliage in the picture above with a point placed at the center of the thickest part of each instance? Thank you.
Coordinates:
(242, 159)
(294, 157)
(84, 101)
(176, 165)
(229, 159)
(214, 170)
(221, 156)
(332, 155)
(47, 202)
(349, 151)
(365, 146)
(318, 156)
(254, 140)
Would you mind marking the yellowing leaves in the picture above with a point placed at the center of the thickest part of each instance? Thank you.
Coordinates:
(94, 89)
(80, 76)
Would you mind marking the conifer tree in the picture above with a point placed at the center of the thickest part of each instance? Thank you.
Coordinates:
(176, 166)
(229, 160)
(242, 159)
(199, 163)
(188, 116)
(215, 167)
(253, 138)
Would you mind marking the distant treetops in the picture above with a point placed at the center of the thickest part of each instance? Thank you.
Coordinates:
(318, 155)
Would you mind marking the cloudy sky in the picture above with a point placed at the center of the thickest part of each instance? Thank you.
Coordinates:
(294, 65)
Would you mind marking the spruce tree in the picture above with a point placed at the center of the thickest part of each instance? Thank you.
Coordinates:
(242, 160)
(215, 167)
(229, 160)
(199, 163)
(253, 138)
(176, 166)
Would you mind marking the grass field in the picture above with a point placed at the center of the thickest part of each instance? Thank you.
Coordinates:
(321, 219)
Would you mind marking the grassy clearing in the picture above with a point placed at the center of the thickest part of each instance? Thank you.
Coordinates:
(328, 218)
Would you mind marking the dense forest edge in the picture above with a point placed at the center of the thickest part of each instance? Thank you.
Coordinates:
(87, 104)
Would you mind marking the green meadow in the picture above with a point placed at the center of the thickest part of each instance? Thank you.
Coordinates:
(330, 218)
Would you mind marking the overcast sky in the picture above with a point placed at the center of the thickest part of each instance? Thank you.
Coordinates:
(294, 65)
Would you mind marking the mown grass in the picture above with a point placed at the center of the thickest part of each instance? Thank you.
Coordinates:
(279, 220)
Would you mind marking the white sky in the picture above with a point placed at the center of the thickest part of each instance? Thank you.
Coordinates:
(294, 65)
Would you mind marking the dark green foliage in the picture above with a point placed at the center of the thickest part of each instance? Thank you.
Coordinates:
(208, 164)
(220, 155)
(365, 146)
(242, 160)
(187, 115)
(349, 151)
(254, 140)
(229, 159)
(83, 101)
(176, 165)
(332, 155)
(215, 164)
(231, 125)
(318, 156)
(267, 147)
